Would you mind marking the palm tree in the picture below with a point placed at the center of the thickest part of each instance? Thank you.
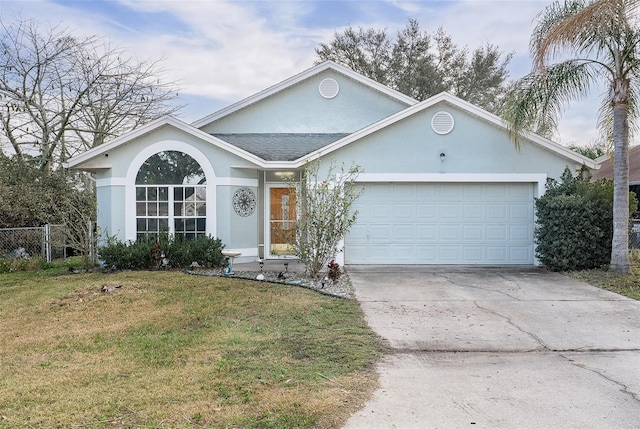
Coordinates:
(577, 44)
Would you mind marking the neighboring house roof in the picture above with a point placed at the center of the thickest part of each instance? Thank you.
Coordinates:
(606, 166)
(392, 93)
(280, 146)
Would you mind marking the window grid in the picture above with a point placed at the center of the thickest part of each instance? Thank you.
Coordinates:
(156, 206)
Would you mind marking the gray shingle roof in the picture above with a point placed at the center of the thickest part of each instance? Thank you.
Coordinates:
(280, 146)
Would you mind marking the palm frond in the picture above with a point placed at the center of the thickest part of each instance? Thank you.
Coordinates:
(577, 26)
(536, 101)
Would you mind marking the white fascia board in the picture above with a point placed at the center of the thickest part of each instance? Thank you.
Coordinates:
(461, 104)
(603, 158)
(532, 137)
(106, 147)
(294, 80)
(77, 161)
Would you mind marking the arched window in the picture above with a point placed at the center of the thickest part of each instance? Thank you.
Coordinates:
(170, 196)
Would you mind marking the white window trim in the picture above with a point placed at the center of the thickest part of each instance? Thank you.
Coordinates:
(132, 173)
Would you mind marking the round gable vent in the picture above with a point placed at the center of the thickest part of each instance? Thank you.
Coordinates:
(442, 122)
(329, 88)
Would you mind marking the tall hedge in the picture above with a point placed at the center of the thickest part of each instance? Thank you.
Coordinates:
(575, 222)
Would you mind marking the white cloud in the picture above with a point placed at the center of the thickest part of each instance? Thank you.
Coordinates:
(227, 50)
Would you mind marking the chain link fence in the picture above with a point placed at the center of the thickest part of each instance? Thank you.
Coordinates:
(47, 242)
(634, 236)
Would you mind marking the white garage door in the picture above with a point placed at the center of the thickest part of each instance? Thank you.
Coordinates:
(443, 223)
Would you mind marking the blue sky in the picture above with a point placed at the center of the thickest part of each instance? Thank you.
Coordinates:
(222, 51)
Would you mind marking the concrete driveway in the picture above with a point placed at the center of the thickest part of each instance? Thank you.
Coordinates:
(478, 347)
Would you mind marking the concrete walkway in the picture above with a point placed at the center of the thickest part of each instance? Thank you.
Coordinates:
(499, 348)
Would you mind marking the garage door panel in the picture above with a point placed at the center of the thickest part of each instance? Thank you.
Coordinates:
(473, 211)
(379, 193)
(358, 234)
(520, 254)
(450, 254)
(497, 232)
(404, 193)
(380, 233)
(497, 254)
(404, 233)
(497, 211)
(404, 212)
(378, 254)
(427, 193)
(473, 254)
(426, 233)
(363, 212)
(427, 253)
(446, 223)
(450, 232)
(471, 232)
(519, 233)
(450, 211)
(451, 192)
(380, 212)
(520, 211)
(520, 193)
(402, 254)
(426, 211)
(497, 192)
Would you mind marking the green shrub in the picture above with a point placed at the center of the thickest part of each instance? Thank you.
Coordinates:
(149, 253)
(575, 223)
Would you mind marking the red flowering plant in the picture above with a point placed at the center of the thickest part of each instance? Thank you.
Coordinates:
(334, 272)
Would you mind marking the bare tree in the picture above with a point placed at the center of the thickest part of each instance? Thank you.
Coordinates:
(61, 94)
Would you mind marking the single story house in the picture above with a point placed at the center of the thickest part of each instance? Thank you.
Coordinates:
(605, 170)
(443, 182)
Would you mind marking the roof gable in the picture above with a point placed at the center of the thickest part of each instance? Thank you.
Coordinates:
(294, 149)
(297, 80)
(448, 99)
(84, 159)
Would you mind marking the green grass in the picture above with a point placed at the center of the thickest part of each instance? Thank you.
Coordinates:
(624, 284)
(169, 350)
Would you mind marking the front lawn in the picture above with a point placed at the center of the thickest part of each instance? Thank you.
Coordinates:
(169, 350)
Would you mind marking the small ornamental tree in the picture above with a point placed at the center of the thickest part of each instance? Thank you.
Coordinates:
(325, 214)
(574, 223)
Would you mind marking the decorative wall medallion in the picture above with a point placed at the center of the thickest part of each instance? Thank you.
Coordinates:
(244, 202)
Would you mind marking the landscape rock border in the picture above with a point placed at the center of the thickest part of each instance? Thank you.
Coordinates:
(341, 288)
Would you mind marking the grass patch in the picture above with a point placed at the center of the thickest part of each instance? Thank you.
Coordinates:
(624, 284)
(168, 350)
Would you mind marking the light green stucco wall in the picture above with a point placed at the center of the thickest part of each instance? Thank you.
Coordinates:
(472, 147)
(301, 109)
(114, 210)
(111, 219)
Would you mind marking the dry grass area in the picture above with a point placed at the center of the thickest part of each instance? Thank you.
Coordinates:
(623, 284)
(168, 350)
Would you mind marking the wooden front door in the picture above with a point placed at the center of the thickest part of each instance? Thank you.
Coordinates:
(282, 220)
